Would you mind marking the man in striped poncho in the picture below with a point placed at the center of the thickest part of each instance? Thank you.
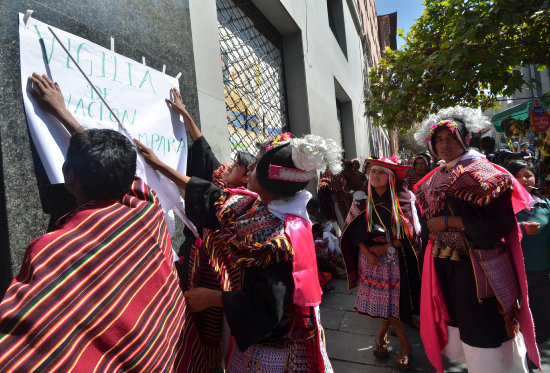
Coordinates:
(100, 294)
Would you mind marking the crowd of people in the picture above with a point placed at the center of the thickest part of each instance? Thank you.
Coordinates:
(454, 244)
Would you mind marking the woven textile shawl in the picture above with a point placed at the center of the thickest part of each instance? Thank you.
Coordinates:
(99, 295)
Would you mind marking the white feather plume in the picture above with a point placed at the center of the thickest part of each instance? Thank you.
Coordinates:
(474, 120)
(314, 152)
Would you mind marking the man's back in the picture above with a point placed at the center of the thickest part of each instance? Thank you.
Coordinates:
(99, 294)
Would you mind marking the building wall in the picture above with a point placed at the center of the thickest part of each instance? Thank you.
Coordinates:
(318, 71)
(369, 22)
(531, 72)
(526, 93)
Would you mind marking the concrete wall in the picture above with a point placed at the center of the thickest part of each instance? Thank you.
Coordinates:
(331, 74)
(543, 77)
(369, 22)
(526, 93)
(209, 79)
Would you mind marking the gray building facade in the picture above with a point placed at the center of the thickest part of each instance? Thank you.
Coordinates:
(251, 69)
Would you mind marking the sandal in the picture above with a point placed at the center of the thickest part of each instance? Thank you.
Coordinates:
(403, 362)
(381, 349)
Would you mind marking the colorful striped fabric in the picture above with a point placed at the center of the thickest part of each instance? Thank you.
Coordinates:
(100, 295)
(474, 180)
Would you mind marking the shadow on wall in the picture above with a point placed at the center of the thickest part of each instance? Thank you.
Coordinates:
(54, 198)
(5, 264)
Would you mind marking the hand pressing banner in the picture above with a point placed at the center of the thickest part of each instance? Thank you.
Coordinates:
(133, 91)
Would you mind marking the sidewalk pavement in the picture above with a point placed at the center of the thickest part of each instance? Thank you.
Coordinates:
(350, 339)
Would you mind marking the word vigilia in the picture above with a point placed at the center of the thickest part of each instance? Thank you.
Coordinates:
(101, 65)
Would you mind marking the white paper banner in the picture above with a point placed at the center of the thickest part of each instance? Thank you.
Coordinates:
(135, 93)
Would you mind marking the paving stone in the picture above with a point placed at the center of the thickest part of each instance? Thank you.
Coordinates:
(339, 301)
(349, 367)
(545, 356)
(351, 347)
(340, 286)
(354, 322)
(331, 318)
(350, 339)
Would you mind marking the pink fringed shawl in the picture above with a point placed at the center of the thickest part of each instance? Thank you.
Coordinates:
(433, 311)
(307, 291)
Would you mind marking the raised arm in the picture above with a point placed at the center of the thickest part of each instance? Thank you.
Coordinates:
(177, 105)
(152, 160)
(48, 94)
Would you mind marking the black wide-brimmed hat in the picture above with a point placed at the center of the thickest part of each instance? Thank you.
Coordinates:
(278, 174)
(287, 167)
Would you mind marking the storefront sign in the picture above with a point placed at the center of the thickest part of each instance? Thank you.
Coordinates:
(540, 119)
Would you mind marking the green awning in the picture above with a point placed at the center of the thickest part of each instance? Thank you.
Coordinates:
(520, 112)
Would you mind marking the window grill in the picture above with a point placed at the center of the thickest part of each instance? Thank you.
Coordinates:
(253, 75)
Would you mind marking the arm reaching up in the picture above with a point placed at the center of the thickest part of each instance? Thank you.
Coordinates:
(48, 94)
(152, 160)
(177, 105)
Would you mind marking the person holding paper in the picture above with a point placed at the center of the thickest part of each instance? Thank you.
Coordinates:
(192, 265)
(202, 162)
(100, 293)
(271, 302)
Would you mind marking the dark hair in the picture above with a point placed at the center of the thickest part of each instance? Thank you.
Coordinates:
(313, 204)
(487, 144)
(262, 146)
(504, 157)
(460, 132)
(244, 159)
(424, 156)
(516, 165)
(104, 161)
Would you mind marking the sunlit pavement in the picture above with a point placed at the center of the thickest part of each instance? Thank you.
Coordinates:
(350, 339)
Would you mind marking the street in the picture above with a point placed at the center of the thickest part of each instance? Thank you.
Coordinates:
(350, 339)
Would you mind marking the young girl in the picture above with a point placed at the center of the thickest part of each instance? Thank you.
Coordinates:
(535, 225)
(380, 258)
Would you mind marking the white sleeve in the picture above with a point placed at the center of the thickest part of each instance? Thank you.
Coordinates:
(416, 221)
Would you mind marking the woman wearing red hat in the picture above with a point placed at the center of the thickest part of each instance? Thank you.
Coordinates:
(379, 251)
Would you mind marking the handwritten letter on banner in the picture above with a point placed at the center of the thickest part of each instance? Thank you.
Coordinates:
(134, 92)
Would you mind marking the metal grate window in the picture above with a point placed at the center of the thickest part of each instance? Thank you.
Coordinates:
(252, 63)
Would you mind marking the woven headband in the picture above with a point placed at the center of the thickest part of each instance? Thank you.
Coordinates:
(291, 174)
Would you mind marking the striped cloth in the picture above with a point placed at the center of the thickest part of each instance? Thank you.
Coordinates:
(341, 185)
(100, 295)
(378, 287)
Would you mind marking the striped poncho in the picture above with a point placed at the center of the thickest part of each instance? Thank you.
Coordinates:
(100, 295)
